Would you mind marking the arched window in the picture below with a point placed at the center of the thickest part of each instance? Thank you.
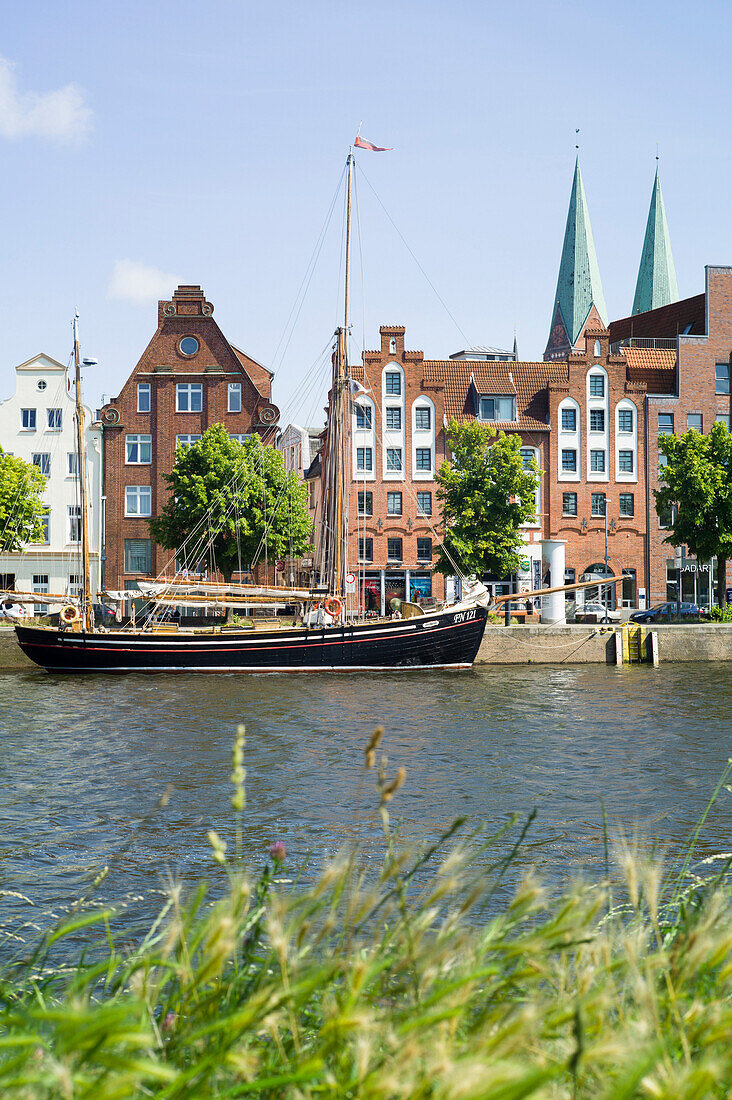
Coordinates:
(392, 346)
(626, 440)
(568, 440)
(598, 351)
(423, 439)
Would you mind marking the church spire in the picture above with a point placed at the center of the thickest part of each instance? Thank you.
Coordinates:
(656, 284)
(579, 301)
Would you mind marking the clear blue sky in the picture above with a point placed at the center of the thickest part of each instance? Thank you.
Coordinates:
(205, 141)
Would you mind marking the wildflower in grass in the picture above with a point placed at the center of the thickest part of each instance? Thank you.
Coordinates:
(277, 853)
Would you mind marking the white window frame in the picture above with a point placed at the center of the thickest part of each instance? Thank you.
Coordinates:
(598, 440)
(569, 440)
(144, 388)
(363, 438)
(58, 415)
(626, 441)
(393, 438)
(496, 397)
(139, 441)
(424, 438)
(73, 515)
(135, 497)
(234, 392)
(187, 440)
(43, 466)
(32, 415)
(72, 464)
(365, 469)
(188, 390)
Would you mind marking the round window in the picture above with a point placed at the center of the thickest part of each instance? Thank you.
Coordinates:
(189, 345)
(42, 385)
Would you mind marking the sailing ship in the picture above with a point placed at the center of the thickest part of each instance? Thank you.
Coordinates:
(324, 635)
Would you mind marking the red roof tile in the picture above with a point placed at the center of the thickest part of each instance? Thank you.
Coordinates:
(528, 381)
(656, 367)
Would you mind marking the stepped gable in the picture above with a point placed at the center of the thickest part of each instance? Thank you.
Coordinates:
(655, 368)
(462, 379)
(687, 317)
(579, 301)
(656, 285)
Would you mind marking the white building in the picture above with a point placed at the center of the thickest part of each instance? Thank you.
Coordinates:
(38, 424)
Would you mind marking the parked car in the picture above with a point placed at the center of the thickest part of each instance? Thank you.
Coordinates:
(668, 610)
(596, 612)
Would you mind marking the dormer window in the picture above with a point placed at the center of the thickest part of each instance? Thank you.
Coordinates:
(497, 408)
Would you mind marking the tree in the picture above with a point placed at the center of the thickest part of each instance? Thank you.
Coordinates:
(237, 498)
(696, 494)
(486, 494)
(22, 486)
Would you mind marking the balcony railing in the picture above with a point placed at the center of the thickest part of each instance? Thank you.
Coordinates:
(644, 342)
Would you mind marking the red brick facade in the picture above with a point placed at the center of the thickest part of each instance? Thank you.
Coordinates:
(613, 395)
(391, 541)
(188, 350)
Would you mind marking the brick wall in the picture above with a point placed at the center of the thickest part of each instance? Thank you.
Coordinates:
(163, 365)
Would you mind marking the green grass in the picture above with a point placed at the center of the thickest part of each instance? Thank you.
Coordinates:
(402, 980)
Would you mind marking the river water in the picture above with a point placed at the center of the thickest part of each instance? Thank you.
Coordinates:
(85, 760)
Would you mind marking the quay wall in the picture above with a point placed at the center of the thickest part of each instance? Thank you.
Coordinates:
(572, 645)
(11, 655)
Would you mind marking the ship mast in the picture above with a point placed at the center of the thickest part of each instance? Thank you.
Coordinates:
(87, 609)
(337, 531)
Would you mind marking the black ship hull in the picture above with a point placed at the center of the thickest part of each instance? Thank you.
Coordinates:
(447, 639)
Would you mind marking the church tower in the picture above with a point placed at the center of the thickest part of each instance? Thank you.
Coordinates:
(579, 302)
(656, 284)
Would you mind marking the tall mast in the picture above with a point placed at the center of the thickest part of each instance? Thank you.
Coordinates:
(337, 457)
(343, 401)
(87, 610)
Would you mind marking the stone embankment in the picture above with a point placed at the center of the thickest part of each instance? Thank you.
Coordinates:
(11, 655)
(572, 645)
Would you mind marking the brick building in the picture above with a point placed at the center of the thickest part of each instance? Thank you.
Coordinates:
(591, 422)
(590, 414)
(188, 378)
(685, 349)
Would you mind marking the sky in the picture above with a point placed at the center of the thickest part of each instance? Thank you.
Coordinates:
(148, 144)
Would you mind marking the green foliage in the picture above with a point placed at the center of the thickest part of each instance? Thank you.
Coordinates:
(486, 494)
(22, 486)
(231, 491)
(721, 614)
(697, 483)
(364, 984)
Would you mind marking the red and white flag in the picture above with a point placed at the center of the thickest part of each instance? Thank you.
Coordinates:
(361, 143)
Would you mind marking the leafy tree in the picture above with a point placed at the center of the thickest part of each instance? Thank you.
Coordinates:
(231, 493)
(696, 490)
(486, 494)
(22, 486)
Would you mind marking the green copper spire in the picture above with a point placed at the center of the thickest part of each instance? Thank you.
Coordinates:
(578, 285)
(656, 284)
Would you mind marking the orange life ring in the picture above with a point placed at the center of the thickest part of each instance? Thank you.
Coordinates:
(70, 615)
(333, 606)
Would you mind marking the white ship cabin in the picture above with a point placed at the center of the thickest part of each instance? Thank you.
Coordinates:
(37, 424)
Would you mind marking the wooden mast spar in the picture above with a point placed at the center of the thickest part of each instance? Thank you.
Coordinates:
(87, 609)
(337, 533)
